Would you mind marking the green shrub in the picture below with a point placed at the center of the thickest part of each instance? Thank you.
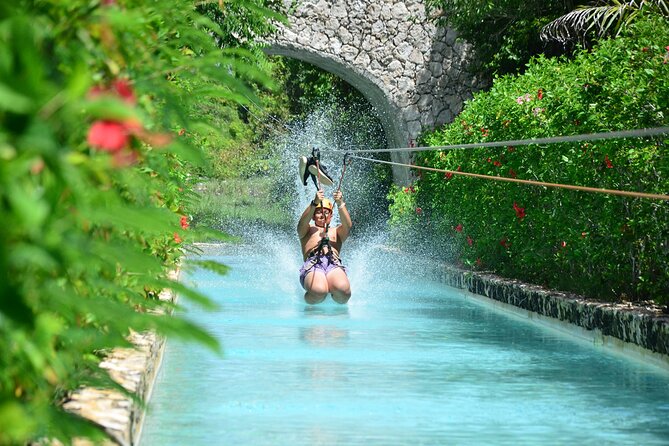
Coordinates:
(603, 246)
(94, 187)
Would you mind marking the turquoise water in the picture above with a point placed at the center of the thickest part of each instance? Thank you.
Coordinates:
(408, 362)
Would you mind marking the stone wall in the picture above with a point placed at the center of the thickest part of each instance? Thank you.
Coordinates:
(624, 325)
(133, 368)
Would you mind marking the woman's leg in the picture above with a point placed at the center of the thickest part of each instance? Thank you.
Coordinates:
(316, 286)
(339, 285)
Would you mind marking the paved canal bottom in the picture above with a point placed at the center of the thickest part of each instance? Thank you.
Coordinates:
(408, 361)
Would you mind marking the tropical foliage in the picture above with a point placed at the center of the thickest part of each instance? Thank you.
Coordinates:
(504, 34)
(99, 134)
(602, 246)
(600, 20)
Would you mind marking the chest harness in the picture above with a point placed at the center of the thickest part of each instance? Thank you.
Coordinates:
(316, 255)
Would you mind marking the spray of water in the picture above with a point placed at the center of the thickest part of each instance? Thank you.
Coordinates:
(369, 260)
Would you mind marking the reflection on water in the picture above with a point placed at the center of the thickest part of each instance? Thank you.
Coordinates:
(322, 334)
(407, 361)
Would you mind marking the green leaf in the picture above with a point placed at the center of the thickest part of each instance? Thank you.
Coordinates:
(12, 101)
(211, 265)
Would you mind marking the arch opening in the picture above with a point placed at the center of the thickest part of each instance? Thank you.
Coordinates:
(389, 114)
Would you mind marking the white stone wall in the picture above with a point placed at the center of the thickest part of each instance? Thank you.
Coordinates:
(415, 74)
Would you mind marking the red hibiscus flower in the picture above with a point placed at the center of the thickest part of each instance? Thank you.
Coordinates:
(512, 173)
(110, 136)
(448, 175)
(497, 163)
(184, 222)
(120, 88)
(177, 238)
(123, 89)
(520, 212)
(608, 162)
(540, 94)
(505, 242)
(419, 211)
(458, 228)
(470, 241)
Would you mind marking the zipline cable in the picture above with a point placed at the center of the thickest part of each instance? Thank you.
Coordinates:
(530, 182)
(637, 133)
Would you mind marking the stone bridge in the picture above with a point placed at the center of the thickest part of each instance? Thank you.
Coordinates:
(414, 73)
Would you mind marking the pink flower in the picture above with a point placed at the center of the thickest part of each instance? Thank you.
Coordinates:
(110, 136)
(524, 98)
(470, 241)
(419, 211)
(520, 212)
(458, 228)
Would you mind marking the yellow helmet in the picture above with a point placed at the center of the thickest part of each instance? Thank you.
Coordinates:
(327, 204)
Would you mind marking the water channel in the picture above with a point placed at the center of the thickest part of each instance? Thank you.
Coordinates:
(407, 361)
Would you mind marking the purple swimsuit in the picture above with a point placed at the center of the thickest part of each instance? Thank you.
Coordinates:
(320, 262)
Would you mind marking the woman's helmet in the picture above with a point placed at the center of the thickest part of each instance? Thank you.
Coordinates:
(327, 204)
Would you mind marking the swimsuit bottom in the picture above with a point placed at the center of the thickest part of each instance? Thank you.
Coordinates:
(322, 262)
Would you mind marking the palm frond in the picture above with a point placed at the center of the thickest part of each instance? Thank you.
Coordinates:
(599, 20)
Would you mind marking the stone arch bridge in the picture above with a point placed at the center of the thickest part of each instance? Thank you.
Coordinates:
(414, 73)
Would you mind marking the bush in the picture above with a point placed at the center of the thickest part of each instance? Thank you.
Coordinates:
(95, 166)
(603, 246)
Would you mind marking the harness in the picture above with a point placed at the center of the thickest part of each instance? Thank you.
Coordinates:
(319, 250)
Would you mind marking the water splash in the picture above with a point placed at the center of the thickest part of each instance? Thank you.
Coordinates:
(369, 259)
(333, 127)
